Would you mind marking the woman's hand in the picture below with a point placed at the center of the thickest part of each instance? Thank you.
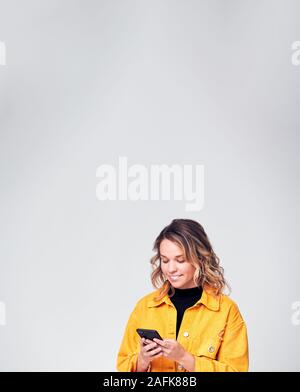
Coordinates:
(171, 349)
(149, 351)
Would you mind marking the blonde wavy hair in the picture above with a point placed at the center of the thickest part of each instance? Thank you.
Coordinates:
(190, 236)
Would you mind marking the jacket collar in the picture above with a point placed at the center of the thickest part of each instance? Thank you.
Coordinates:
(211, 301)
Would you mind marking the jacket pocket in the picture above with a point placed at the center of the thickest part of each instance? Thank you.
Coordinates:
(207, 346)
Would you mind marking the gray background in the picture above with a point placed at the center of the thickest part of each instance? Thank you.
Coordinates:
(160, 82)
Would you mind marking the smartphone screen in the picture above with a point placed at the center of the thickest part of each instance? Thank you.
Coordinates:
(149, 333)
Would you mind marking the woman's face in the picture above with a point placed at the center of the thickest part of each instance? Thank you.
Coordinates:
(176, 269)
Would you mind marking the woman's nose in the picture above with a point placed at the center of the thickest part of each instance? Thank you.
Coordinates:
(172, 267)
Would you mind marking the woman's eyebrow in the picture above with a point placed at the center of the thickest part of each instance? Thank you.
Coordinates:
(175, 256)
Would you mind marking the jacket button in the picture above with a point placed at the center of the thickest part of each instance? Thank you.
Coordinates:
(211, 349)
(186, 334)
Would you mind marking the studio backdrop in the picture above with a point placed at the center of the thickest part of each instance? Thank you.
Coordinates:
(117, 117)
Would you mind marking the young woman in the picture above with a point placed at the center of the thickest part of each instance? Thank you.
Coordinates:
(202, 328)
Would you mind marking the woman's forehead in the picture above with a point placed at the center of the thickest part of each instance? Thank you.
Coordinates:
(171, 249)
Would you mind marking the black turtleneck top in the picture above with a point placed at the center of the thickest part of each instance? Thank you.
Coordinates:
(183, 299)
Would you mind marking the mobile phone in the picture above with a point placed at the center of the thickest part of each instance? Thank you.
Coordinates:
(148, 333)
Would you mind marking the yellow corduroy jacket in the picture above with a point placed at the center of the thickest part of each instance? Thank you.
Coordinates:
(212, 330)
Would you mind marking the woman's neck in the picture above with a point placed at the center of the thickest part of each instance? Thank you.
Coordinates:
(179, 292)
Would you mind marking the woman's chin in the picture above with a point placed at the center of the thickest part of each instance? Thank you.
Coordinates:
(178, 285)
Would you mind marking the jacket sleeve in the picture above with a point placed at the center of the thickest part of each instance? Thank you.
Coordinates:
(130, 345)
(233, 353)
(128, 352)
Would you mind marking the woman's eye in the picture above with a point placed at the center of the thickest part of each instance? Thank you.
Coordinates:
(179, 261)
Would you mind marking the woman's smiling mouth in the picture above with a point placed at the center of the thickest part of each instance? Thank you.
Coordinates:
(174, 277)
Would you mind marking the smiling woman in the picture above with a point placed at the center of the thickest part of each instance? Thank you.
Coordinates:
(202, 328)
(179, 272)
